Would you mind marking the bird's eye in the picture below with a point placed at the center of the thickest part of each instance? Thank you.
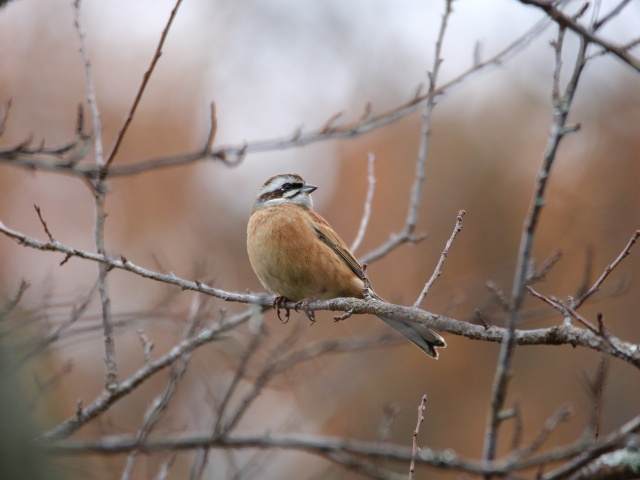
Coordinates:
(287, 186)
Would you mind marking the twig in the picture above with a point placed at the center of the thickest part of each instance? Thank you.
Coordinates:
(560, 415)
(438, 271)
(389, 413)
(147, 345)
(47, 385)
(586, 35)
(4, 115)
(111, 376)
(548, 264)
(367, 203)
(15, 300)
(565, 310)
(595, 390)
(111, 379)
(76, 313)
(600, 331)
(596, 286)
(481, 317)
(329, 127)
(213, 130)
(562, 105)
(141, 89)
(416, 432)
(612, 14)
(518, 427)
(406, 235)
(90, 84)
(499, 296)
(166, 465)
(421, 163)
(586, 276)
(44, 224)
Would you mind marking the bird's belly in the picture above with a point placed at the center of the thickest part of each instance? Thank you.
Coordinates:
(288, 271)
(296, 264)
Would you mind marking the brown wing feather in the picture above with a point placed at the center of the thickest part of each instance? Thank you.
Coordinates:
(420, 335)
(326, 234)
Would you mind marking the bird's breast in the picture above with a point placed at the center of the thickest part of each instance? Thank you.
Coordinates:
(291, 261)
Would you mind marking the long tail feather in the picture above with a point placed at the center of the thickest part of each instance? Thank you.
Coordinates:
(426, 339)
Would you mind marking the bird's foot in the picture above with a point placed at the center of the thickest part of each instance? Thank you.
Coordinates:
(277, 305)
(304, 305)
(344, 316)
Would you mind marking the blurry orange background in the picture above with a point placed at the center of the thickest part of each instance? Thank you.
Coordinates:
(271, 67)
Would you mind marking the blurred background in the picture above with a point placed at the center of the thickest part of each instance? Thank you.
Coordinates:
(272, 66)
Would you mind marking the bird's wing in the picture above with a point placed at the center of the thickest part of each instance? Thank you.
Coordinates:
(326, 234)
(426, 339)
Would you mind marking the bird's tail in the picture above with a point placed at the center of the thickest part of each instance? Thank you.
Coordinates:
(425, 338)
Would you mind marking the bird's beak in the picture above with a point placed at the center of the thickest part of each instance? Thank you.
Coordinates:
(309, 188)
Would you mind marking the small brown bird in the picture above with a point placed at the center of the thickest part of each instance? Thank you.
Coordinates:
(297, 255)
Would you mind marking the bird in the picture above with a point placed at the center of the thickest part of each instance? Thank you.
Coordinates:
(297, 256)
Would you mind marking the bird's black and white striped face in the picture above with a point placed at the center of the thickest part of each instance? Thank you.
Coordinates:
(285, 188)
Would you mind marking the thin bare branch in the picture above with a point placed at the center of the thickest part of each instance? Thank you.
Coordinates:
(595, 389)
(416, 432)
(329, 125)
(562, 104)
(367, 202)
(586, 35)
(562, 414)
(76, 313)
(213, 130)
(596, 286)
(389, 414)
(14, 300)
(111, 375)
(4, 115)
(565, 310)
(147, 345)
(90, 85)
(44, 224)
(421, 163)
(615, 11)
(145, 80)
(438, 271)
(546, 267)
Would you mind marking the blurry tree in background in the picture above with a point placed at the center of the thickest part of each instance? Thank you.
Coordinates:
(500, 200)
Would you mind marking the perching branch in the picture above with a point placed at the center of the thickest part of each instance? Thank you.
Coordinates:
(558, 335)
